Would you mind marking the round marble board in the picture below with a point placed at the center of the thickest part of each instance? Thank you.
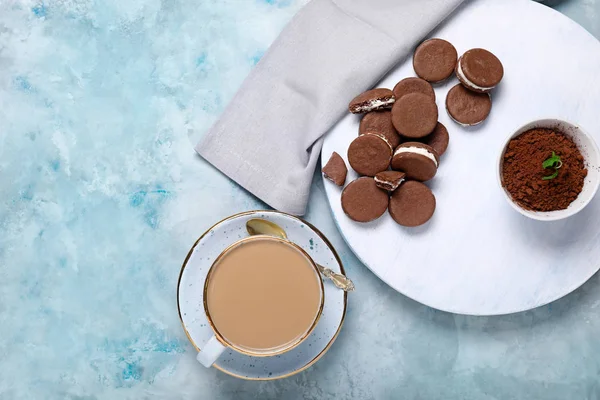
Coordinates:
(477, 255)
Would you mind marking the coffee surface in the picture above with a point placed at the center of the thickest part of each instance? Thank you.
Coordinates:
(263, 295)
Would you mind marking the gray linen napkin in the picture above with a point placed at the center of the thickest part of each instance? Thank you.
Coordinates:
(269, 138)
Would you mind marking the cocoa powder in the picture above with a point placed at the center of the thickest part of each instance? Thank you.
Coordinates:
(522, 172)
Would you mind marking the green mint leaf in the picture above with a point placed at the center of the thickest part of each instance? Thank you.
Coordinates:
(552, 162)
(554, 175)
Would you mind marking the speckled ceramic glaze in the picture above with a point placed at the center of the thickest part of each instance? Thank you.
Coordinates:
(190, 296)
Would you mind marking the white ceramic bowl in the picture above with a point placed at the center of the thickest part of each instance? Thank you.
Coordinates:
(591, 155)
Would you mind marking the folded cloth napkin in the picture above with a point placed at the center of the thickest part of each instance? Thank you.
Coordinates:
(269, 138)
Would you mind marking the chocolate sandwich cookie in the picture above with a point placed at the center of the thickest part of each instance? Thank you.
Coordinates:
(369, 154)
(389, 180)
(438, 139)
(380, 123)
(372, 100)
(413, 204)
(363, 201)
(479, 70)
(413, 85)
(418, 160)
(335, 170)
(466, 107)
(435, 60)
(415, 115)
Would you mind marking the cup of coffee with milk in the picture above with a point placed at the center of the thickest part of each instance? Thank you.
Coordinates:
(263, 296)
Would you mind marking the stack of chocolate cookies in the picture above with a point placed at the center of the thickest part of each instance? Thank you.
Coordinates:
(478, 71)
(400, 130)
(400, 140)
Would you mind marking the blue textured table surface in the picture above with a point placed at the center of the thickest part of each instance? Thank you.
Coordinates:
(102, 195)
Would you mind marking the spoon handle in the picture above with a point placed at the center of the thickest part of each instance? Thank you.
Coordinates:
(339, 280)
(258, 226)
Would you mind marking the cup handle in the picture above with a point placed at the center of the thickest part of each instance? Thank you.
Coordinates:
(210, 353)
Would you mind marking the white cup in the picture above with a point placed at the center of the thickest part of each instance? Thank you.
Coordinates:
(217, 344)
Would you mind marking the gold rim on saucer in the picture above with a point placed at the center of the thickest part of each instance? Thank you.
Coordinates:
(337, 257)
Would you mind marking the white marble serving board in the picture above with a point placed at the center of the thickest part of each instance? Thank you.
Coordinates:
(477, 255)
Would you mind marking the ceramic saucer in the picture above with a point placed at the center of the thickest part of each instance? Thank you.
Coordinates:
(190, 296)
